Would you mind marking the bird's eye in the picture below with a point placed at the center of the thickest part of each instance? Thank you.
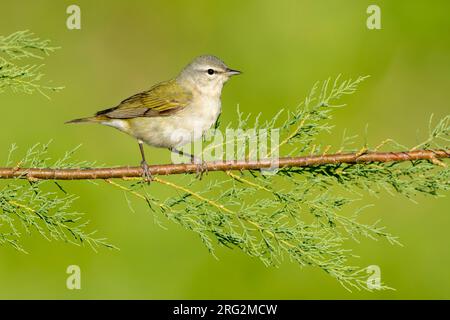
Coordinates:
(210, 72)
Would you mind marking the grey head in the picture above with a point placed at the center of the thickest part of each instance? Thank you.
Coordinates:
(207, 74)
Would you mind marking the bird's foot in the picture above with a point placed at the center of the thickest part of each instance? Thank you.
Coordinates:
(146, 172)
(201, 169)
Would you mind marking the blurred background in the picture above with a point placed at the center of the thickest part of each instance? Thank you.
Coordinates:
(283, 47)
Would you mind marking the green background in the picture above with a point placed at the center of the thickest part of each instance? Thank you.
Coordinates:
(283, 47)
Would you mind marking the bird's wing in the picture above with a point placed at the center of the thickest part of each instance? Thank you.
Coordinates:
(163, 99)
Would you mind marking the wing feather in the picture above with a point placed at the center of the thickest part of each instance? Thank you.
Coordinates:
(164, 99)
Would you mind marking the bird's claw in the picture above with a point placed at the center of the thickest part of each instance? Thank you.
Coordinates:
(201, 169)
(146, 172)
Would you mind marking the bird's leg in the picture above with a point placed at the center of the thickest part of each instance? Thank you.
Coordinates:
(146, 171)
(201, 165)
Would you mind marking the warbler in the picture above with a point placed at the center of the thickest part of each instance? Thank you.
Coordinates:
(172, 113)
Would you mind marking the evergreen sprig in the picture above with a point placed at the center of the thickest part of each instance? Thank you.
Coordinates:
(301, 213)
(304, 214)
(42, 206)
(26, 78)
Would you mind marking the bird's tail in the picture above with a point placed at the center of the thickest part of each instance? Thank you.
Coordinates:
(88, 119)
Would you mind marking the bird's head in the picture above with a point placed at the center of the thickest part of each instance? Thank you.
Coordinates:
(207, 74)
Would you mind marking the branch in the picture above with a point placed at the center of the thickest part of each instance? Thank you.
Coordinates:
(169, 169)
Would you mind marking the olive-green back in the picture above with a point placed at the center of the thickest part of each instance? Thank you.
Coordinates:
(161, 100)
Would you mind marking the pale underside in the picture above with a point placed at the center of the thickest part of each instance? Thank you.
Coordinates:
(186, 125)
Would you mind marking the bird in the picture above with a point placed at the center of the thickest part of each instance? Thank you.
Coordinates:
(172, 113)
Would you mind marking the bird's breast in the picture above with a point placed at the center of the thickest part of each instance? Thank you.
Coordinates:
(179, 129)
(203, 113)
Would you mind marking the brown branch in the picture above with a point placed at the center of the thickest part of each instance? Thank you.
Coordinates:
(168, 169)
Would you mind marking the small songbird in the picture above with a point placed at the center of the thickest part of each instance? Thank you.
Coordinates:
(172, 113)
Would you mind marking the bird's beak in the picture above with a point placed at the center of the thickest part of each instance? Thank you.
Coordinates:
(231, 72)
